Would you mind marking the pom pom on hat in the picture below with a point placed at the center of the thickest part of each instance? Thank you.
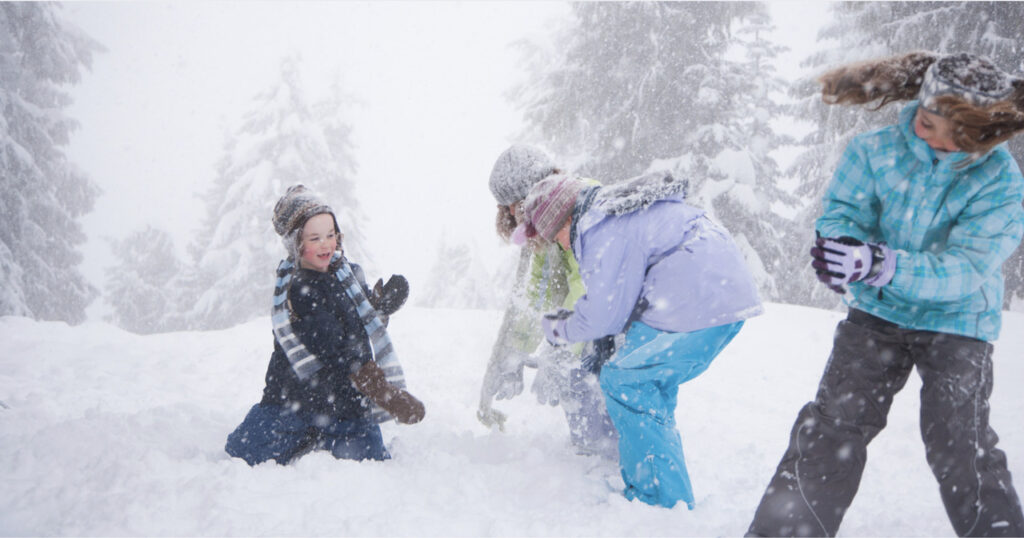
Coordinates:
(296, 207)
(517, 169)
(523, 233)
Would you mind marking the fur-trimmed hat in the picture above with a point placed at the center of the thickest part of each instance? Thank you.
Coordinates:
(972, 78)
(517, 169)
(292, 211)
(548, 205)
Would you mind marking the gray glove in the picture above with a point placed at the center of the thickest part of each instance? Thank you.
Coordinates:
(503, 381)
(507, 382)
(552, 379)
(489, 416)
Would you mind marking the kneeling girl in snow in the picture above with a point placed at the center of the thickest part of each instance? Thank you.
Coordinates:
(661, 271)
(917, 222)
(333, 376)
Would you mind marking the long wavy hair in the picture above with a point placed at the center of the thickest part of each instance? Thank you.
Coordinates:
(504, 222)
(977, 129)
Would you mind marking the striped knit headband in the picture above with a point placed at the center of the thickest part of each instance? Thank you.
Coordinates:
(547, 206)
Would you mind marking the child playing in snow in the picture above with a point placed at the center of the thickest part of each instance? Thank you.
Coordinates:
(917, 223)
(547, 277)
(661, 271)
(333, 376)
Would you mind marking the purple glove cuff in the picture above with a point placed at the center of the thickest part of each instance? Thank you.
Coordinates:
(888, 266)
(554, 330)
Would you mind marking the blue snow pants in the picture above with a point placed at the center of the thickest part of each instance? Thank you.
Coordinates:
(274, 432)
(640, 385)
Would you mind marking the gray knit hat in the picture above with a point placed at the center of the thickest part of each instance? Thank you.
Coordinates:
(291, 213)
(972, 78)
(517, 169)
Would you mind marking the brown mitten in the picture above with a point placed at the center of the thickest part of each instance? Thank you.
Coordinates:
(388, 298)
(370, 380)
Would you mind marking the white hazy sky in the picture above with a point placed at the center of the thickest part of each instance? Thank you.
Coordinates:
(430, 113)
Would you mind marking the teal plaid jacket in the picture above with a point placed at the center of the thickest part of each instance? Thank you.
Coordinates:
(952, 227)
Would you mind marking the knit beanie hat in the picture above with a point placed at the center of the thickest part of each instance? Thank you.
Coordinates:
(517, 169)
(972, 78)
(548, 205)
(292, 211)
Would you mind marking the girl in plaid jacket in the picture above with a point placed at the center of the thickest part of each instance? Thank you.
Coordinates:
(917, 223)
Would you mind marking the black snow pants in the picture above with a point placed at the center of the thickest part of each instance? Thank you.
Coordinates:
(871, 361)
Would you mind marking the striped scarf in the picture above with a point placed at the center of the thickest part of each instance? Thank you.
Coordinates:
(305, 363)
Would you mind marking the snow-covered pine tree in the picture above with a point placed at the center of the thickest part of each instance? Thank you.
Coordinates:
(832, 127)
(338, 187)
(282, 141)
(629, 87)
(624, 80)
(138, 287)
(865, 30)
(458, 280)
(750, 208)
(41, 194)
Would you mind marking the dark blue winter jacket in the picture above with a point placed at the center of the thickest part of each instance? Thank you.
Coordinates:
(326, 322)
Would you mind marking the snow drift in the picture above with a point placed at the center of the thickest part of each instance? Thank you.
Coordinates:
(103, 432)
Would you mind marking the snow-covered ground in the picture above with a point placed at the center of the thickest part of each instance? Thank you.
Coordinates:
(103, 432)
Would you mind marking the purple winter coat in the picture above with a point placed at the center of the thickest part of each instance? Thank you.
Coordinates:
(685, 266)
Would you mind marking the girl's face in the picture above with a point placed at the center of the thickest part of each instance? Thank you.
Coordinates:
(562, 237)
(935, 130)
(319, 241)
